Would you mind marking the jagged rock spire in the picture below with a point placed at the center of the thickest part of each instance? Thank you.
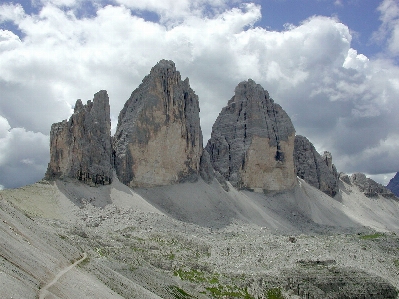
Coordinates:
(316, 170)
(158, 140)
(81, 147)
(252, 141)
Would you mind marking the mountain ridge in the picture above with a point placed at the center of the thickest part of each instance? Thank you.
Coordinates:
(158, 141)
(195, 229)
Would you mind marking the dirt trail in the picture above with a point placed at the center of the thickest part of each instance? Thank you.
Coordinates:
(44, 291)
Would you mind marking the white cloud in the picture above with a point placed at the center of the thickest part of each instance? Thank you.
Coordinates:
(355, 61)
(67, 3)
(375, 160)
(8, 40)
(382, 178)
(338, 3)
(11, 12)
(166, 7)
(23, 155)
(389, 29)
(4, 127)
(171, 11)
(341, 100)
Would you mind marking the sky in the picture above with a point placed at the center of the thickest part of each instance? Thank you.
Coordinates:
(333, 65)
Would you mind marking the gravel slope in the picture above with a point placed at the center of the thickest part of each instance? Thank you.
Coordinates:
(196, 239)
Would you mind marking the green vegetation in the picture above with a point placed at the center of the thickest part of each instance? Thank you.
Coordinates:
(197, 276)
(396, 263)
(132, 268)
(178, 293)
(274, 294)
(137, 249)
(372, 236)
(157, 238)
(229, 292)
(215, 288)
(102, 251)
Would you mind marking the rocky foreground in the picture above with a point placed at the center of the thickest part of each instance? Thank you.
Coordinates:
(149, 243)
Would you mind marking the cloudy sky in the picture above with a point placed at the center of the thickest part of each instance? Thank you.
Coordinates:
(332, 65)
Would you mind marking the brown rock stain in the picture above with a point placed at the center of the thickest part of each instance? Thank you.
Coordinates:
(261, 170)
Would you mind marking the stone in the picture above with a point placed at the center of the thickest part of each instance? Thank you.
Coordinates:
(370, 187)
(252, 141)
(393, 185)
(325, 279)
(80, 147)
(327, 158)
(316, 170)
(345, 178)
(222, 181)
(206, 170)
(158, 139)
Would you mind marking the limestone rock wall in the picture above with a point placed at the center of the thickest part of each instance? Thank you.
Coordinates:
(252, 141)
(158, 140)
(315, 169)
(80, 147)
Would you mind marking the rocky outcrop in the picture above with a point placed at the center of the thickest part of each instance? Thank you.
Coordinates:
(370, 187)
(206, 169)
(158, 140)
(393, 184)
(252, 141)
(316, 170)
(80, 148)
(345, 178)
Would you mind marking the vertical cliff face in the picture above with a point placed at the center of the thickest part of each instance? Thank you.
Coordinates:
(315, 169)
(81, 147)
(252, 141)
(158, 140)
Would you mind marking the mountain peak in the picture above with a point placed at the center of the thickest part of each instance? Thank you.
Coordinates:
(80, 147)
(252, 141)
(158, 140)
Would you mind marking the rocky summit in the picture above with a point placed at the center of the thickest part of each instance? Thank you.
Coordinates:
(158, 140)
(315, 169)
(252, 141)
(80, 147)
